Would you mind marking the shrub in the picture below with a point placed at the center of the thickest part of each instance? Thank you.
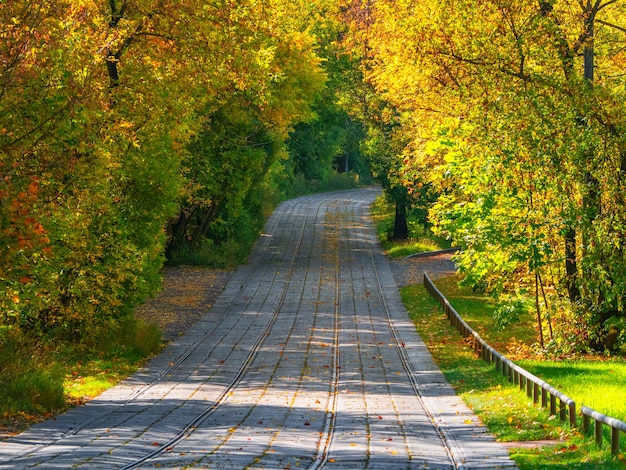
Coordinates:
(27, 381)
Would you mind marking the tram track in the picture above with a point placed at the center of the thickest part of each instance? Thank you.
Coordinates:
(320, 457)
(371, 341)
(254, 351)
(273, 438)
(303, 365)
(448, 443)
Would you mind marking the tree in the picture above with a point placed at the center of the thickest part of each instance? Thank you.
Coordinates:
(525, 155)
(102, 106)
(383, 144)
(245, 127)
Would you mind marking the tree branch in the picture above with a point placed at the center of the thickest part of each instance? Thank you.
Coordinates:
(611, 25)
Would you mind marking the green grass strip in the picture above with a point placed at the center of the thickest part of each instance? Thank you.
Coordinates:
(508, 413)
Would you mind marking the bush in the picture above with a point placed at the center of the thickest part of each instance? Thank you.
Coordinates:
(27, 381)
(508, 312)
(127, 337)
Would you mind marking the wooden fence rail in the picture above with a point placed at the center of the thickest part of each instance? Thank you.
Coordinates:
(560, 404)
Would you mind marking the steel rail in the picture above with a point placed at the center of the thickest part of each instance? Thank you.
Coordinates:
(189, 429)
(448, 442)
(330, 418)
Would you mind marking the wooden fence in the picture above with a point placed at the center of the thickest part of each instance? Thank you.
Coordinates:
(559, 404)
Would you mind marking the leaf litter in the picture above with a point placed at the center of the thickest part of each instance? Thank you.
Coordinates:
(187, 294)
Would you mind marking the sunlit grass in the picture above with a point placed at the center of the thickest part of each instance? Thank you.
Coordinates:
(598, 384)
(410, 247)
(507, 411)
(88, 380)
(584, 380)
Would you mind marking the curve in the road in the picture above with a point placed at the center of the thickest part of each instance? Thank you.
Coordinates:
(307, 360)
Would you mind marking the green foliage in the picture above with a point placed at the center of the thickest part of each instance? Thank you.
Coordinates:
(508, 313)
(300, 186)
(314, 145)
(232, 162)
(90, 179)
(329, 142)
(128, 337)
(227, 163)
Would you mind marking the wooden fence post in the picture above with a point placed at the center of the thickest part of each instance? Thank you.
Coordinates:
(572, 414)
(586, 424)
(598, 433)
(615, 441)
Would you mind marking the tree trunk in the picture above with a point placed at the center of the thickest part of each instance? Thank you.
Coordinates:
(400, 226)
(179, 232)
(205, 217)
(571, 266)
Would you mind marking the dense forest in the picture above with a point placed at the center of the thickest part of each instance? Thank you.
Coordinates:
(139, 132)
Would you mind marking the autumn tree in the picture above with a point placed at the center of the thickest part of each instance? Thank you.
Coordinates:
(330, 141)
(522, 142)
(103, 105)
(382, 144)
(241, 145)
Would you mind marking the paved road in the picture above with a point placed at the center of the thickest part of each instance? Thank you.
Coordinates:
(307, 360)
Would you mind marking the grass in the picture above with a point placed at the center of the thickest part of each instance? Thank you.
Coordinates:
(586, 382)
(40, 379)
(411, 247)
(502, 407)
(477, 310)
(582, 378)
(508, 413)
(84, 381)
